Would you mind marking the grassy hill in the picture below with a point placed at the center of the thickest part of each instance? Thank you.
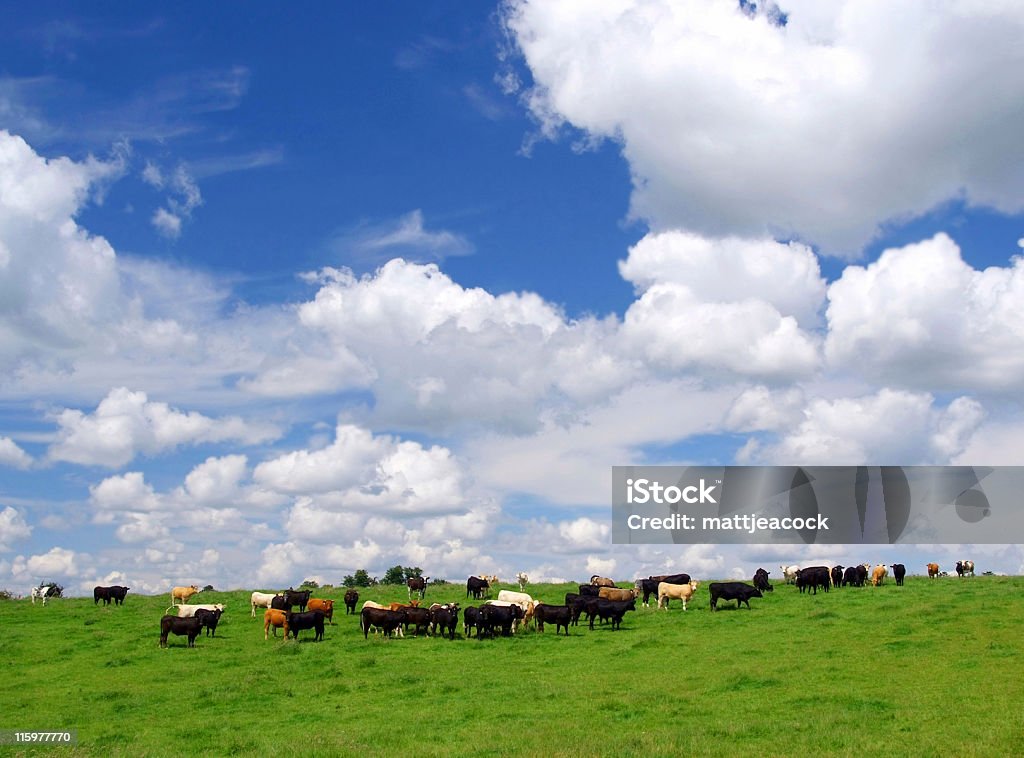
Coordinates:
(929, 669)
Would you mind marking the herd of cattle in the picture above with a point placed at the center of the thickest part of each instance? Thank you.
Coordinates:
(599, 599)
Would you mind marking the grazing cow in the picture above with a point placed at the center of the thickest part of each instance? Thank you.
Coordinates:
(614, 610)
(445, 616)
(614, 593)
(667, 592)
(850, 577)
(601, 581)
(760, 581)
(559, 615)
(182, 594)
(933, 570)
(589, 590)
(180, 627)
(522, 580)
(878, 575)
(351, 598)
(471, 621)
(381, 618)
(812, 577)
(296, 597)
(277, 619)
(418, 584)
(262, 600)
(115, 593)
(898, 572)
(968, 567)
(476, 587)
(789, 573)
(208, 619)
(737, 591)
(186, 610)
(306, 620)
(326, 607)
(837, 576)
(493, 616)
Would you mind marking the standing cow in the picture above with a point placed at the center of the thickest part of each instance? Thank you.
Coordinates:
(898, 572)
(933, 570)
(417, 584)
(351, 598)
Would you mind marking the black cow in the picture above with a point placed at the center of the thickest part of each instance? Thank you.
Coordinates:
(190, 626)
(614, 610)
(583, 605)
(417, 584)
(737, 591)
(101, 593)
(850, 577)
(899, 571)
(295, 597)
(813, 577)
(306, 620)
(495, 616)
(648, 587)
(419, 617)
(476, 587)
(559, 615)
(673, 579)
(446, 617)
(280, 603)
(589, 590)
(351, 598)
(387, 621)
(862, 576)
(960, 569)
(837, 576)
(761, 581)
(471, 621)
(210, 619)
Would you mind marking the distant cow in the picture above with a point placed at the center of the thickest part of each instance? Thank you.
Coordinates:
(614, 593)
(417, 584)
(813, 577)
(522, 580)
(476, 587)
(601, 581)
(182, 594)
(968, 567)
(326, 607)
(761, 581)
(789, 573)
(898, 572)
(208, 619)
(559, 615)
(381, 618)
(933, 570)
(837, 576)
(306, 620)
(115, 593)
(667, 592)
(351, 598)
(277, 619)
(878, 575)
(190, 627)
(42, 592)
(261, 600)
(738, 591)
(613, 610)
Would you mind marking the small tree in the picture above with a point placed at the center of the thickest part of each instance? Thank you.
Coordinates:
(348, 581)
(362, 578)
(208, 588)
(311, 583)
(394, 575)
(412, 571)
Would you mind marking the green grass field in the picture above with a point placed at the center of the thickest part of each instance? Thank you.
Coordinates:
(934, 668)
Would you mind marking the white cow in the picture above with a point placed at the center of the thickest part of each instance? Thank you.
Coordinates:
(187, 611)
(667, 592)
(42, 592)
(523, 580)
(789, 573)
(521, 599)
(261, 600)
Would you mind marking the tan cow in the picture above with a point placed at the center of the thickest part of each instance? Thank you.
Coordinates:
(277, 619)
(183, 593)
(667, 592)
(614, 593)
(326, 607)
(933, 570)
(601, 581)
(878, 575)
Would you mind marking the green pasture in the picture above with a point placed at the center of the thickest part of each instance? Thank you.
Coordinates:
(934, 668)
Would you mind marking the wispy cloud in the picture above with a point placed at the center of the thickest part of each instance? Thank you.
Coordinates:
(421, 53)
(406, 236)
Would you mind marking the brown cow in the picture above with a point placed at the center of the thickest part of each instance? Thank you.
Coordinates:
(401, 606)
(933, 570)
(183, 593)
(277, 619)
(326, 607)
(614, 593)
(351, 598)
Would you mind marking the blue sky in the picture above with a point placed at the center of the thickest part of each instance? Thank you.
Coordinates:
(287, 295)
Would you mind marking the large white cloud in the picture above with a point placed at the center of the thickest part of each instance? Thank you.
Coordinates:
(56, 563)
(920, 316)
(12, 528)
(126, 423)
(850, 114)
